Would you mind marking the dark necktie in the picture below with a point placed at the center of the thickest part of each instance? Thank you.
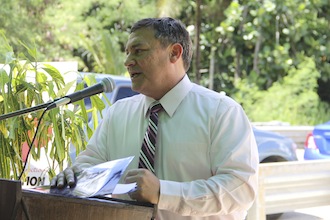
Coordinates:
(147, 152)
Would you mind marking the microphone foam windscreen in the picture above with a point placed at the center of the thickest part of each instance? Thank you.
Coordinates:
(108, 84)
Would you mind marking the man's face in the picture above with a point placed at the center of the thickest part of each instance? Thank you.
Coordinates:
(148, 63)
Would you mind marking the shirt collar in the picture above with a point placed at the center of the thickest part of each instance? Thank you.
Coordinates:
(172, 99)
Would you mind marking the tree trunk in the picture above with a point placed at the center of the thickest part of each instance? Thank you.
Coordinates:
(211, 79)
(197, 38)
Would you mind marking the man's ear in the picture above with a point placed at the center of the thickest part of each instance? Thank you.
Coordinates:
(176, 52)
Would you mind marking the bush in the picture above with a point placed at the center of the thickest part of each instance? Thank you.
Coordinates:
(293, 99)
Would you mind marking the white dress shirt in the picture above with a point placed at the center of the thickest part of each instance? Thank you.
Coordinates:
(206, 155)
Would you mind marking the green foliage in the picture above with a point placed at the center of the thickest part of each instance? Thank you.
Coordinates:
(104, 55)
(25, 83)
(258, 43)
(22, 21)
(293, 99)
(96, 31)
(261, 39)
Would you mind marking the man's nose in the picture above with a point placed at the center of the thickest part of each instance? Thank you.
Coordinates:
(129, 61)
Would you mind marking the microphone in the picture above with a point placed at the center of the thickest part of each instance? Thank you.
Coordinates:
(107, 85)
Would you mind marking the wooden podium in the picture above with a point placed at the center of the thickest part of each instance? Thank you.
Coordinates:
(18, 204)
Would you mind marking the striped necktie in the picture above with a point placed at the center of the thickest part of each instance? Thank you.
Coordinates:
(147, 152)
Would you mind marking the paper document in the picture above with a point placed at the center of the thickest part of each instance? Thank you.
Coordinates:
(100, 179)
(124, 188)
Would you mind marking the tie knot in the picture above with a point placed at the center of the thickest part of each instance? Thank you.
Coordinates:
(156, 107)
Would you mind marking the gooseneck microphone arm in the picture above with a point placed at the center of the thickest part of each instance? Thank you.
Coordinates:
(27, 110)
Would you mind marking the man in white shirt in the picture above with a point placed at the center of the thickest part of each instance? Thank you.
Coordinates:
(206, 157)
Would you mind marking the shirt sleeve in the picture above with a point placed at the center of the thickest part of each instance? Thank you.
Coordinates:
(234, 167)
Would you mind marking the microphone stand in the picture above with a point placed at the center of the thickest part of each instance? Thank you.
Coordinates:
(27, 110)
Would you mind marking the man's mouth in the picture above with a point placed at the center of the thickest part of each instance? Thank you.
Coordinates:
(134, 75)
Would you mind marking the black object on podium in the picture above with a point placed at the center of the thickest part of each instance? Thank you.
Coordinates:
(11, 196)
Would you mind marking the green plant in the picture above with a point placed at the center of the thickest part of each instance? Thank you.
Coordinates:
(24, 83)
(293, 100)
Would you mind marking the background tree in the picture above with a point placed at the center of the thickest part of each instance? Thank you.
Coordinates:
(23, 21)
(258, 41)
(96, 31)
